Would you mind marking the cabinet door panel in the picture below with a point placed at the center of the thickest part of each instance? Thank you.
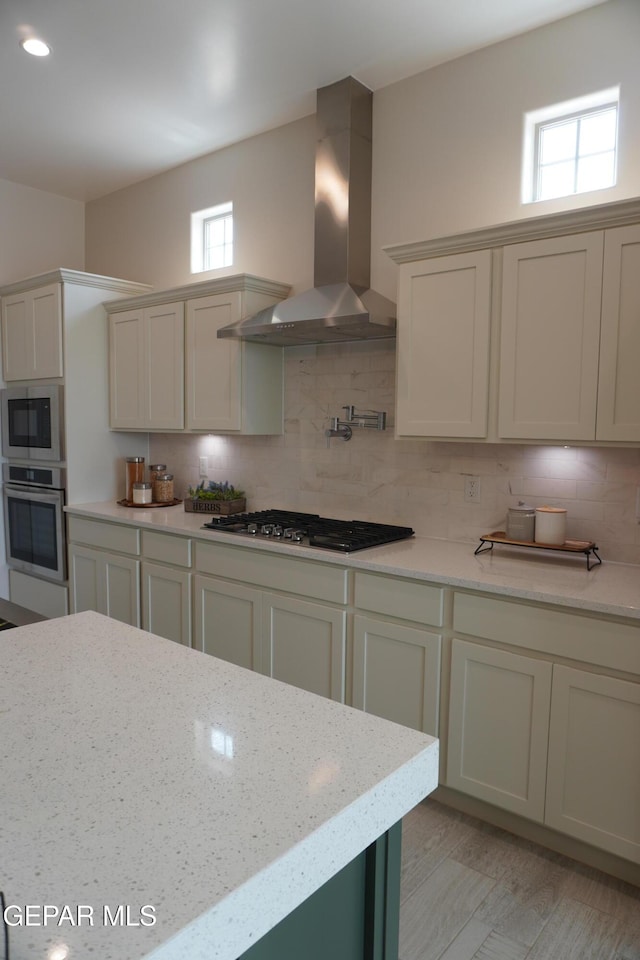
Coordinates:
(213, 366)
(121, 586)
(32, 334)
(228, 621)
(126, 370)
(396, 673)
(619, 383)
(550, 334)
(498, 727)
(593, 789)
(304, 644)
(443, 346)
(84, 576)
(166, 602)
(165, 367)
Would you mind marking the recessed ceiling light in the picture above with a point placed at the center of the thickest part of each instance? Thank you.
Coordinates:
(37, 48)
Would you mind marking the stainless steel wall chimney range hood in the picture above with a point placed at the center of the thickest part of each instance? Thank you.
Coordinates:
(341, 306)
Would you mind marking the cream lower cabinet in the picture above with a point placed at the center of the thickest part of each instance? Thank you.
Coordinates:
(396, 672)
(278, 614)
(304, 644)
(593, 784)
(166, 585)
(396, 659)
(166, 602)
(499, 727)
(228, 621)
(106, 582)
(104, 569)
(553, 742)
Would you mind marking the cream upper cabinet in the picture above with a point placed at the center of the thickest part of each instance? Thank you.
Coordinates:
(444, 309)
(32, 334)
(146, 368)
(550, 334)
(169, 370)
(619, 382)
(231, 385)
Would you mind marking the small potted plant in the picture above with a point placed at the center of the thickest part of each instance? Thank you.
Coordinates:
(212, 497)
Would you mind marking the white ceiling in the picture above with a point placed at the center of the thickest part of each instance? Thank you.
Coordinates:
(135, 87)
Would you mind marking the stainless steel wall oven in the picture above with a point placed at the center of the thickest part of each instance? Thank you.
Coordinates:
(34, 518)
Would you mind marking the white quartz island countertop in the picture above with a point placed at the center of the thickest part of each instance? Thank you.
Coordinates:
(539, 575)
(139, 773)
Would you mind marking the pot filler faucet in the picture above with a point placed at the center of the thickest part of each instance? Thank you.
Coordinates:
(342, 429)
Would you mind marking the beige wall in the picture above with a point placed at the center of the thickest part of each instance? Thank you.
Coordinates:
(39, 231)
(142, 233)
(448, 142)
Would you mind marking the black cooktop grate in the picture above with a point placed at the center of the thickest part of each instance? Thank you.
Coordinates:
(341, 535)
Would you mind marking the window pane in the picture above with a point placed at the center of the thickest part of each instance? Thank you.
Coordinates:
(556, 180)
(215, 232)
(558, 142)
(596, 173)
(598, 132)
(215, 258)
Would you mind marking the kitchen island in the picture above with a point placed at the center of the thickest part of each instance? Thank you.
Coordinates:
(181, 807)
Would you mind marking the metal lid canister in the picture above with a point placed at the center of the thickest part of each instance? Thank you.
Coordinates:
(134, 473)
(521, 522)
(142, 493)
(163, 488)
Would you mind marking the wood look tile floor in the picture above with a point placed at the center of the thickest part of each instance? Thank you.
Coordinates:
(471, 891)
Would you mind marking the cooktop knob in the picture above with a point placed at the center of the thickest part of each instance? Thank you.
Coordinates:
(266, 529)
(288, 533)
(297, 536)
(252, 528)
(277, 530)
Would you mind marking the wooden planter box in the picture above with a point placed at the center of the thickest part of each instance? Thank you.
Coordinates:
(223, 507)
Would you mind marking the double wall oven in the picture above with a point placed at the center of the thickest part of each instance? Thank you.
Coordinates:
(34, 479)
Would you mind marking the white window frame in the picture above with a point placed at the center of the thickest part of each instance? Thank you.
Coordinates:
(199, 221)
(536, 120)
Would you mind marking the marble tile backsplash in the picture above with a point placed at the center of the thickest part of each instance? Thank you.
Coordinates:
(416, 483)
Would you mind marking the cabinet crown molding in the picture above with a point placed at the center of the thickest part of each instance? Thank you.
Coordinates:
(600, 217)
(63, 275)
(239, 283)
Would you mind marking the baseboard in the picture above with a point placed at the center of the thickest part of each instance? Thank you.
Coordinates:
(551, 839)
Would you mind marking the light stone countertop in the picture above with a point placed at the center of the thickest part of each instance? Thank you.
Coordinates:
(538, 575)
(139, 772)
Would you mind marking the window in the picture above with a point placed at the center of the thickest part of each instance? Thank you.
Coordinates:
(571, 147)
(212, 238)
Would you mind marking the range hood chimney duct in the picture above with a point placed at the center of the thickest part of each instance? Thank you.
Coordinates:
(341, 306)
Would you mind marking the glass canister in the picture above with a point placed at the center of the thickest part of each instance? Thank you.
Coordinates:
(155, 469)
(134, 473)
(163, 488)
(521, 522)
(142, 493)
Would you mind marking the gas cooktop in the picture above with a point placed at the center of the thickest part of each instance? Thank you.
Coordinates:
(310, 529)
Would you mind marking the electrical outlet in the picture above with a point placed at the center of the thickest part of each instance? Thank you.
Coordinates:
(204, 466)
(472, 489)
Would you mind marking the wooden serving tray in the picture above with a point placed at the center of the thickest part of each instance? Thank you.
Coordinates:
(587, 547)
(143, 506)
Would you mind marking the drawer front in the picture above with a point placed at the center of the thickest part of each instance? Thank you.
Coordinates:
(107, 536)
(166, 549)
(318, 580)
(587, 639)
(405, 599)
